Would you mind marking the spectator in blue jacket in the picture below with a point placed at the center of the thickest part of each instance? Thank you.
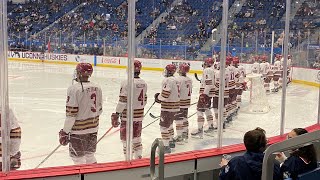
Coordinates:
(249, 165)
(301, 160)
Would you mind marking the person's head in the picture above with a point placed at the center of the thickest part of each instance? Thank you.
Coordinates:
(308, 153)
(255, 140)
(208, 62)
(83, 72)
(296, 132)
(170, 70)
(184, 68)
(137, 68)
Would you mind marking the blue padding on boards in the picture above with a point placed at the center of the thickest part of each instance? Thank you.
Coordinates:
(95, 60)
(311, 175)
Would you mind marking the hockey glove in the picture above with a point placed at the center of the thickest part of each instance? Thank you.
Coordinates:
(64, 138)
(156, 98)
(115, 120)
(244, 86)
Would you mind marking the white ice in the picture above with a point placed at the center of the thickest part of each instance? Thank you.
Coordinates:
(37, 94)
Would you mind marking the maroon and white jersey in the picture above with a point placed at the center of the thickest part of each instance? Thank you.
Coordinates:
(237, 76)
(277, 68)
(139, 99)
(243, 73)
(83, 108)
(265, 68)
(217, 83)
(231, 73)
(185, 91)
(255, 68)
(289, 63)
(208, 81)
(170, 95)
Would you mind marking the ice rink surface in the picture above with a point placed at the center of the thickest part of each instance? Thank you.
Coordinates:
(37, 94)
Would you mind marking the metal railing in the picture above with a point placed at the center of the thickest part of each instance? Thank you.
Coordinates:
(157, 144)
(299, 141)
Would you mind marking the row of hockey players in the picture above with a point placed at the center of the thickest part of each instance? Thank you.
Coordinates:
(271, 72)
(209, 93)
(84, 106)
(175, 99)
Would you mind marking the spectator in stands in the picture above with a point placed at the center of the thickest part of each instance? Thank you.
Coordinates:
(249, 165)
(301, 160)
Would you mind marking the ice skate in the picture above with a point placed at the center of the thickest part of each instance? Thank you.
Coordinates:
(185, 136)
(210, 131)
(167, 150)
(179, 140)
(172, 144)
(198, 133)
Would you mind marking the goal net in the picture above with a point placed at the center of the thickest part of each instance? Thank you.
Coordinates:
(258, 102)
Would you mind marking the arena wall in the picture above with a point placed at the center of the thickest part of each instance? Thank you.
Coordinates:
(299, 75)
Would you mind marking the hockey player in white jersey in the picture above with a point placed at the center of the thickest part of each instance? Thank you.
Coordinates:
(170, 106)
(232, 103)
(255, 68)
(266, 72)
(277, 74)
(182, 123)
(238, 83)
(242, 82)
(205, 99)
(139, 102)
(14, 143)
(289, 65)
(83, 108)
(215, 101)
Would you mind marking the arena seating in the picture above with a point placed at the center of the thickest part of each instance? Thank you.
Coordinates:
(180, 35)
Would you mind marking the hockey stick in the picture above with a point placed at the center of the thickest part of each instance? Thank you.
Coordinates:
(151, 123)
(149, 109)
(153, 116)
(45, 159)
(104, 135)
(196, 76)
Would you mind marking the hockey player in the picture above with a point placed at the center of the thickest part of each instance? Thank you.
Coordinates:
(204, 102)
(182, 124)
(237, 78)
(215, 101)
(277, 74)
(83, 108)
(170, 106)
(266, 73)
(289, 65)
(255, 66)
(139, 102)
(14, 143)
(232, 104)
(242, 82)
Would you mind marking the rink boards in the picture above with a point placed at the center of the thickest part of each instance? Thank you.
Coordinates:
(299, 75)
(193, 162)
